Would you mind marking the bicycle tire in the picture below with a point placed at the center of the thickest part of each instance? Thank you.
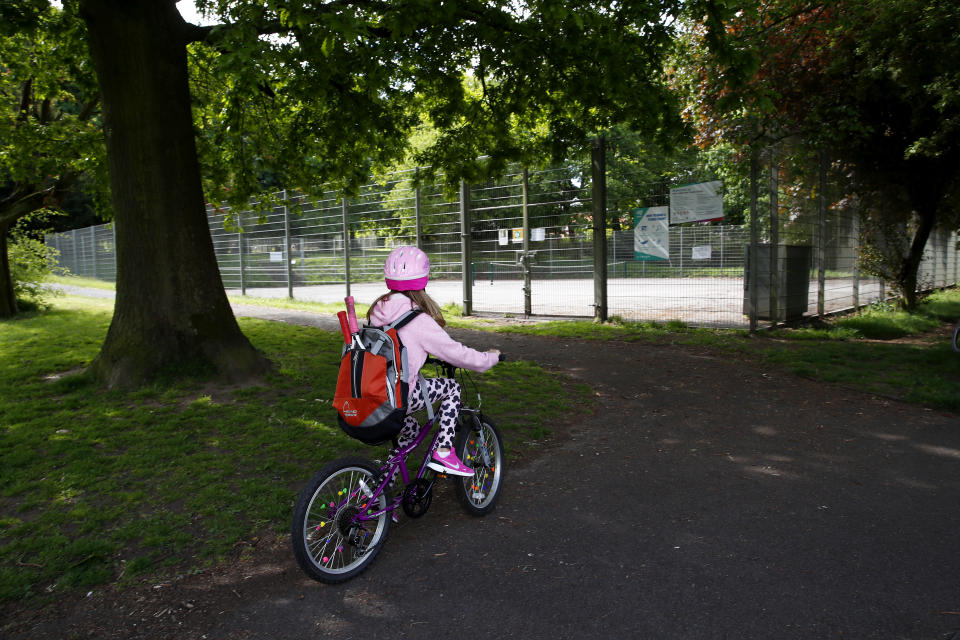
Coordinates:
(480, 446)
(327, 543)
(956, 338)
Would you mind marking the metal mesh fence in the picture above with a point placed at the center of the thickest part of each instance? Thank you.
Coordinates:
(540, 258)
(557, 242)
(89, 252)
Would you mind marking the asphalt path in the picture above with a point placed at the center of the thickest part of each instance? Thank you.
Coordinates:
(700, 497)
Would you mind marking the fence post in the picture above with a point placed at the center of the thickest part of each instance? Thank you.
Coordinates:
(754, 238)
(240, 241)
(598, 165)
(614, 260)
(525, 259)
(346, 241)
(286, 244)
(465, 245)
(93, 244)
(721, 250)
(822, 233)
(76, 253)
(113, 229)
(956, 256)
(680, 229)
(774, 238)
(856, 251)
(945, 235)
(418, 209)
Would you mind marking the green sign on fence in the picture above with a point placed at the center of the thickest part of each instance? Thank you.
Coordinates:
(651, 233)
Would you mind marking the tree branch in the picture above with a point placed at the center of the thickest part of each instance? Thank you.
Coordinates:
(27, 198)
(87, 112)
(25, 98)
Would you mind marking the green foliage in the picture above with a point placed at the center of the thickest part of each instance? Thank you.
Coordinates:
(30, 261)
(887, 325)
(886, 322)
(874, 84)
(48, 99)
(943, 305)
(49, 133)
(334, 91)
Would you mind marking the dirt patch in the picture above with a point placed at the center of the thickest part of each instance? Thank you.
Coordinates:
(54, 377)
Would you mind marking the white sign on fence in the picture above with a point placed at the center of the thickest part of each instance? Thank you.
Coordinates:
(504, 237)
(276, 256)
(696, 202)
(651, 234)
(702, 252)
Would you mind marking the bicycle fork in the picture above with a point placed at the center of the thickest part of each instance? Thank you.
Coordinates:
(481, 439)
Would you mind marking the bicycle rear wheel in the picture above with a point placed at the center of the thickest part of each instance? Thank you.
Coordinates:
(332, 541)
(956, 338)
(480, 446)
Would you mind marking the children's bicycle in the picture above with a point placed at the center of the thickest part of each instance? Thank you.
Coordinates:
(342, 516)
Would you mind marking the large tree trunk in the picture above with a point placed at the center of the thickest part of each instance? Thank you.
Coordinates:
(171, 309)
(8, 300)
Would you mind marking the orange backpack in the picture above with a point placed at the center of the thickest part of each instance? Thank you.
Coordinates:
(371, 394)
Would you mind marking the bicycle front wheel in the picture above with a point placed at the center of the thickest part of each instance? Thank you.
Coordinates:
(335, 534)
(480, 446)
(956, 338)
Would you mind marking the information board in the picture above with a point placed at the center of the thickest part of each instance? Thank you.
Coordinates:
(651, 234)
(696, 202)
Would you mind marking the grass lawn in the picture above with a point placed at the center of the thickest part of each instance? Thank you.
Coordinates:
(106, 486)
(884, 351)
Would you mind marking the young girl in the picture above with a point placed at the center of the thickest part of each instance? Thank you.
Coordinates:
(407, 271)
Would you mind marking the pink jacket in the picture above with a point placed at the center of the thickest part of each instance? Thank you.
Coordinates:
(424, 336)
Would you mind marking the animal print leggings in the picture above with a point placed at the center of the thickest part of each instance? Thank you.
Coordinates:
(447, 414)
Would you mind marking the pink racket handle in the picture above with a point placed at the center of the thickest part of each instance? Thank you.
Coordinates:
(351, 315)
(342, 317)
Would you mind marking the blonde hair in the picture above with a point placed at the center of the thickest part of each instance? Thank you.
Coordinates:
(420, 298)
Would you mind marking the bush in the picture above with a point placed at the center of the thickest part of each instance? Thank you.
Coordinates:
(30, 261)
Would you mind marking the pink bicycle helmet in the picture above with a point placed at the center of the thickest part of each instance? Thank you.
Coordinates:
(406, 269)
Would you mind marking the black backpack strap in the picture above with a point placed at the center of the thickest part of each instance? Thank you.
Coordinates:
(403, 320)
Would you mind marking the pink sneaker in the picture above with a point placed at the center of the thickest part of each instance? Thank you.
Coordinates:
(449, 463)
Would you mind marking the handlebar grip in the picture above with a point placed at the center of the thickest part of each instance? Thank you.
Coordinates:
(344, 327)
(351, 314)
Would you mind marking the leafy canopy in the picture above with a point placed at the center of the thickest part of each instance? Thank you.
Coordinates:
(48, 107)
(876, 84)
(313, 92)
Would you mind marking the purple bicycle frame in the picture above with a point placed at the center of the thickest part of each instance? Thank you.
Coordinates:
(399, 460)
